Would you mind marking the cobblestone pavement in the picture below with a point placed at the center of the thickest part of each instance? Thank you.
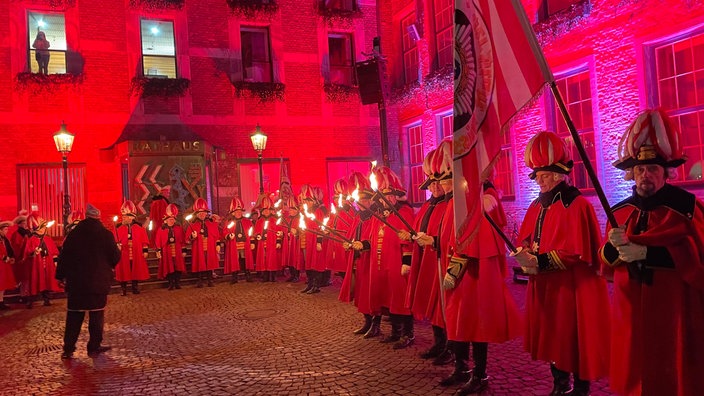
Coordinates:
(243, 339)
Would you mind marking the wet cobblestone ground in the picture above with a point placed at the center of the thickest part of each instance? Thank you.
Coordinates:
(243, 339)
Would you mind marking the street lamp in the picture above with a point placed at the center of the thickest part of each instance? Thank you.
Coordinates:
(64, 142)
(259, 144)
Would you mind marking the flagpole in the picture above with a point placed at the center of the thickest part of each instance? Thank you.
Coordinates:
(499, 231)
(583, 154)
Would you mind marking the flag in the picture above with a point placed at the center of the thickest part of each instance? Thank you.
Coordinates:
(285, 189)
(500, 68)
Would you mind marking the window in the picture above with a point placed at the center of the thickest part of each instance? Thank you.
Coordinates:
(415, 156)
(445, 124)
(42, 186)
(410, 50)
(158, 49)
(341, 59)
(679, 88)
(444, 11)
(256, 58)
(347, 5)
(503, 170)
(53, 29)
(548, 8)
(575, 89)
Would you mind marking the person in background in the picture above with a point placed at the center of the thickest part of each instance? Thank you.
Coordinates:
(85, 268)
(41, 254)
(238, 245)
(203, 233)
(41, 46)
(169, 242)
(7, 259)
(133, 242)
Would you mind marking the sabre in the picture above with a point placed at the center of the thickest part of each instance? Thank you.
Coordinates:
(355, 195)
(375, 187)
(322, 224)
(334, 211)
(326, 236)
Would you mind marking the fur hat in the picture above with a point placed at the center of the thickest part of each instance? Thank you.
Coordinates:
(128, 208)
(548, 152)
(428, 169)
(388, 182)
(5, 223)
(360, 182)
(200, 205)
(92, 211)
(34, 222)
(652, 138)
(171, 211)
(21, 216)
(341, 187)
(441, 161)
(236, 204)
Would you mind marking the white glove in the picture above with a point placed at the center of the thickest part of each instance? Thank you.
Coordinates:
(294, 231)
(404, 235)
(617, 236)
(448, 282)
(231, 236)
(489, 203)
(194, 235)
(357, 245)
(251, 246)
(119, 246)
(405, 270)
(422, 239)
(527, 260)
(346, 245)
(319, 246)
(145, 255)
(278, 246)
(217, 248)
(158, 254)
(632, 252)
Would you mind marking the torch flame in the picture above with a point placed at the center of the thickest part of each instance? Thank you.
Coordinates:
(373, 182)
(49, 224)
(232, 224)
(301, 222)
(278, 221)
(114, 219)
(332, 208)
(276, 205)
(250, 231)
(373, 164)
(247, 215)
(189, 217)
(151, 225)
(266, 224)
(355, 195)
(325, 222)
(339, 201)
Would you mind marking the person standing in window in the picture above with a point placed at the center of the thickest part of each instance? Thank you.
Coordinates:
(41, 45)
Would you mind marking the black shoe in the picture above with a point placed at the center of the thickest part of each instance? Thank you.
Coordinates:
(457, 377)
(171, 286)
(446, 357)
(433, 352)
(124, 292)
(307, 289)
(210, 283)
(47, 302)
(560, 389)
(390, 338)
(67, 356)
(4, 307)
(404, 342)
(374, 331)
(30, 304)
(363, 330)
(177, 286)
(295, 279)
(95, 352)
(135, 291)
(473, 386)
(313, 290)
(576, 392)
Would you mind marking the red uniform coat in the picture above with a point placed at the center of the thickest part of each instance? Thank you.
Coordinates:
(387, 285)
(565, 309)
(238, 242)
(268, 257)
(292, 253)
(480, 308)
(657, 338)
(22, 266)
(132, 265)
(336, 255)
(42, 265)
(7, 277)
(423, 292)
(170, 241)
(355, 285)
(204, 253)
(315, 259)
(157, 211)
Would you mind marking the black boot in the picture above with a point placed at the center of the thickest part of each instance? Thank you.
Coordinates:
(408, 337)
(560, 381)
(170, 278)
(199, 283)
(272, 276)
(580, 388)
(296, 275)
(479, 381)
(210, 279)
(292, 274)
(177, 280)
(447, 356)
(396, 327)
(365, 327)
(45, 297)
(309, 277)
(123, 285)
(30, 302)
(317, 276)
(234, 278)
(135, 288)
(439, 341)
(375, 328)
(461, 373)
(247, 276)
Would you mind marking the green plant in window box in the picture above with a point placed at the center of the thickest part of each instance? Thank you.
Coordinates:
(157, 4)
(336, 16)
(46, 83)
(164, 87)
(339, 93)
(253, 9)
(265, 91)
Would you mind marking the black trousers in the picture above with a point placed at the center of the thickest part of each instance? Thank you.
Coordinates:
(74, 322)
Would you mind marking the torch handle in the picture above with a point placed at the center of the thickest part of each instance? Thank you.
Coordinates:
(393, 208)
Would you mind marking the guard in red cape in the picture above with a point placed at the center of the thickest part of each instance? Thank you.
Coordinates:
(566, 299)
(41, 254)
(269, 238)
(203, 234)
(170, 243)
(238, 245)
(133, 242)
(422, 294)
(479, 307)
(356, 284)
(157, 209)
(73, 219)
(313, 253)
(656, 256)
(18, 234)
(340, 220)
(293, 259)
(7, 259)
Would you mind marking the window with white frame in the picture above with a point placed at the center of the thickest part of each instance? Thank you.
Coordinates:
(341, 52)
(410, 50)
(47, 42)
(503, 170)
(256, 54)
(677, 72)
(158, 49)
(444, 12)
(445, 127)
(415, 162)
(575, 89)
(548, 8)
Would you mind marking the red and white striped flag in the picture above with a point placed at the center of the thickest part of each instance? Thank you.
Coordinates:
(501, 68)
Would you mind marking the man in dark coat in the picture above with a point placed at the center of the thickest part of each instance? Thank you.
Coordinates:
(86, 266)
